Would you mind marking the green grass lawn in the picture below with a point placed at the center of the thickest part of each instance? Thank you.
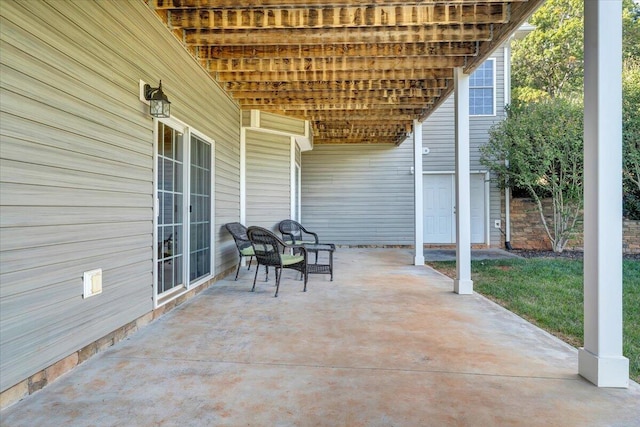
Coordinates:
(548, 293)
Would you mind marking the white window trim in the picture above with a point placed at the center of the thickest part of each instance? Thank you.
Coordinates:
(187, 132)
(494, 92)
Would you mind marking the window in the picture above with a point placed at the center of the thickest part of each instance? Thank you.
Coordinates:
(482, 90)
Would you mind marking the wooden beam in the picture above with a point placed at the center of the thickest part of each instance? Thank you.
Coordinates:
(338, 17)
(192, 4)
(314, 36)
(520, 12)
(348, 122)
(337, 64)
(363, 133)
(295, 102)
(357, 50)
(332, 94)
(400, 114)
(357, 140)
(349, 75)
(354, 105)
(310, 86)
(367, 129)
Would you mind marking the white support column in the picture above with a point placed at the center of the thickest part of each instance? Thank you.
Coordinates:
(418, 193)
(292, 179)
(463, 283)
(243, 175)
(601, 360)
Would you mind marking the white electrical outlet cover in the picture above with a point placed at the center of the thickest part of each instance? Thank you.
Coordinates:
(92, 283)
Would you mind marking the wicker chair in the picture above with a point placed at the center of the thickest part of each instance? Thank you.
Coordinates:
(293, 233)
(268, 249)
(245, 249)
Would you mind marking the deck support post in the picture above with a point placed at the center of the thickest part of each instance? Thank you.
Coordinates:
(418, 193)
(462, 283)
(600, 360)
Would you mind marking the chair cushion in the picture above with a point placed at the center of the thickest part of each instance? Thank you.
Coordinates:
(248, 251)
(300, 242)
(262, 248)
(291, 259)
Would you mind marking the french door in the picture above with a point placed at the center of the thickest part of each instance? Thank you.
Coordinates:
(184, 209)
(200, 210)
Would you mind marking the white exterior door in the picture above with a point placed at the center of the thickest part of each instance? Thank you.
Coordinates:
(439, 208)
(439, 216)
(184, 212)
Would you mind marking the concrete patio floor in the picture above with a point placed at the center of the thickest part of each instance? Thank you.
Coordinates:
(385, 344)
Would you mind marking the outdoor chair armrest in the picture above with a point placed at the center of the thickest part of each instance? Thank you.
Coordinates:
(289, 238)
(295, 248)
(294, 233)
(310, 233)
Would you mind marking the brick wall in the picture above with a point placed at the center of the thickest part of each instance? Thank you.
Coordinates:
(527, 231)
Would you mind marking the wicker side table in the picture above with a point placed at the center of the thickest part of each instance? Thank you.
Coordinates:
(321, 268)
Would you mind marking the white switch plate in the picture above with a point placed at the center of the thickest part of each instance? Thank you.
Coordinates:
(497, 223)
(92, 281)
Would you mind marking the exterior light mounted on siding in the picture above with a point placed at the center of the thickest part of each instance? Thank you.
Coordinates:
(159, 105)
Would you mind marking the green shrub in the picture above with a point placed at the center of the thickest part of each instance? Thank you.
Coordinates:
(539, 148)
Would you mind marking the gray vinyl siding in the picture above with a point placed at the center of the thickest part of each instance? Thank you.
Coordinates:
(245, 118)
(77, 170)
(495, 212)
(274, 122)
(268, 179)
(281, 123)
(438, 134)
(438, 131)
(359, 194)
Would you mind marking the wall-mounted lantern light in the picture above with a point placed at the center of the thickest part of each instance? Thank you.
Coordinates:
(159, 105)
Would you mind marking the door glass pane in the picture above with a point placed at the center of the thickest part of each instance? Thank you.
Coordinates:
(200, 210)
(170, 194)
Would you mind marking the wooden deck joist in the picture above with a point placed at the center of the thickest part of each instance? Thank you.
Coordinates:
(359, 70)
(208, 4)
(348, 35)
(355, 50)
(332, 85)
(330, 16)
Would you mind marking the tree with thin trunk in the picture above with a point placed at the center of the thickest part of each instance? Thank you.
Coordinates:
(631, 137)
(539, 148)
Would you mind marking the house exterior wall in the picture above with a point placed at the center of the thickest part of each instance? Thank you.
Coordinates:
(359, 194)
(438, 134)
(77, 170)
(268, 178)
